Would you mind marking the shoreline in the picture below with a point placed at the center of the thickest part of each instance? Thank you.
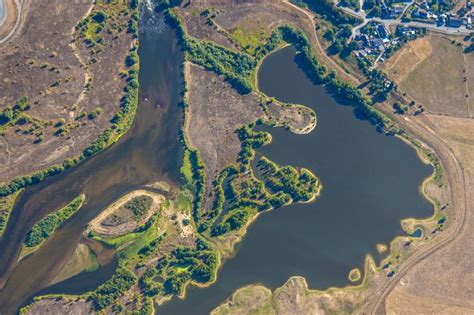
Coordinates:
(370, 265)
(94, 225)
(127, 121)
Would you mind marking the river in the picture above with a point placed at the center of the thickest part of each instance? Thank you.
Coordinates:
(149, 152)
(370, 182)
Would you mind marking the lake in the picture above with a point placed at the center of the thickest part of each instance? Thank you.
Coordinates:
(370, 182)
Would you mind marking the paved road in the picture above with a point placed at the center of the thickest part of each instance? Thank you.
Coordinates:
(3, 11)
(433, 27)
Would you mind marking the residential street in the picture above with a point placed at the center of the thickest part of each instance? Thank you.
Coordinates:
(388, 22)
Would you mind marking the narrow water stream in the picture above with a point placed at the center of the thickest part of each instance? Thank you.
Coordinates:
(370, 182)
(149, 152)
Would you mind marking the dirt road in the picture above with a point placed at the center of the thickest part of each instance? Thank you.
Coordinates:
(458, 201)
(11, 10)
(319, 50)
(3, 11)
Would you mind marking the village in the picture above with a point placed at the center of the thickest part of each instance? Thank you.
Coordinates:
(388, 25)
(376, 42)
(442, 13)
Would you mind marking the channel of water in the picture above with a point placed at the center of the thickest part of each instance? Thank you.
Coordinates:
(148, 153)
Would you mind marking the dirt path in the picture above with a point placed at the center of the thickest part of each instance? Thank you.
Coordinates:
(458, 201)
(319, 50)
(3, 11)
(13, 11)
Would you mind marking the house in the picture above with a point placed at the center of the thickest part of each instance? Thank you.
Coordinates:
(397, 10)
(405, 31)
(382, 31)
(376, 42)
(420, 13)
(362, 53)
(454, 22)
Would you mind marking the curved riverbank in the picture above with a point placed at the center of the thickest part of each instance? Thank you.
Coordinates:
(148, 153)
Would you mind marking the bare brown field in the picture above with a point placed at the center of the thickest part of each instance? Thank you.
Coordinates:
(198, 25)
(64, 80)
(438, 82)
(225, 17)
(63, 306)
(250, 17)
(216, 111)
(469, 66)
(408, 58)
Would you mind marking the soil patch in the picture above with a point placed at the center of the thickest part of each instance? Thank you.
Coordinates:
(124, 215)
(408, 58)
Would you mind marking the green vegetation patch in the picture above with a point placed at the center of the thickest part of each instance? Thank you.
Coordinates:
(139, 206)
(15, 115)
(250, 140)
(6, 206)
(49, 224)
(234, 220)
(250, 41)
(112, 289)
(301, 186)
(235, 67)
(188, 264)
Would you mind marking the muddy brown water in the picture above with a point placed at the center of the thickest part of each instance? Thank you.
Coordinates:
(370, 182)
(149, 152)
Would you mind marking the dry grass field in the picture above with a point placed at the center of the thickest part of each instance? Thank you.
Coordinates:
(216, 111)
(408, 58)
(240, 24)
(65, 79)
(439, 80)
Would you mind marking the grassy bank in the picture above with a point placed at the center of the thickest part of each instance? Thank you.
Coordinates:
(123, 119)
(42, 230)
